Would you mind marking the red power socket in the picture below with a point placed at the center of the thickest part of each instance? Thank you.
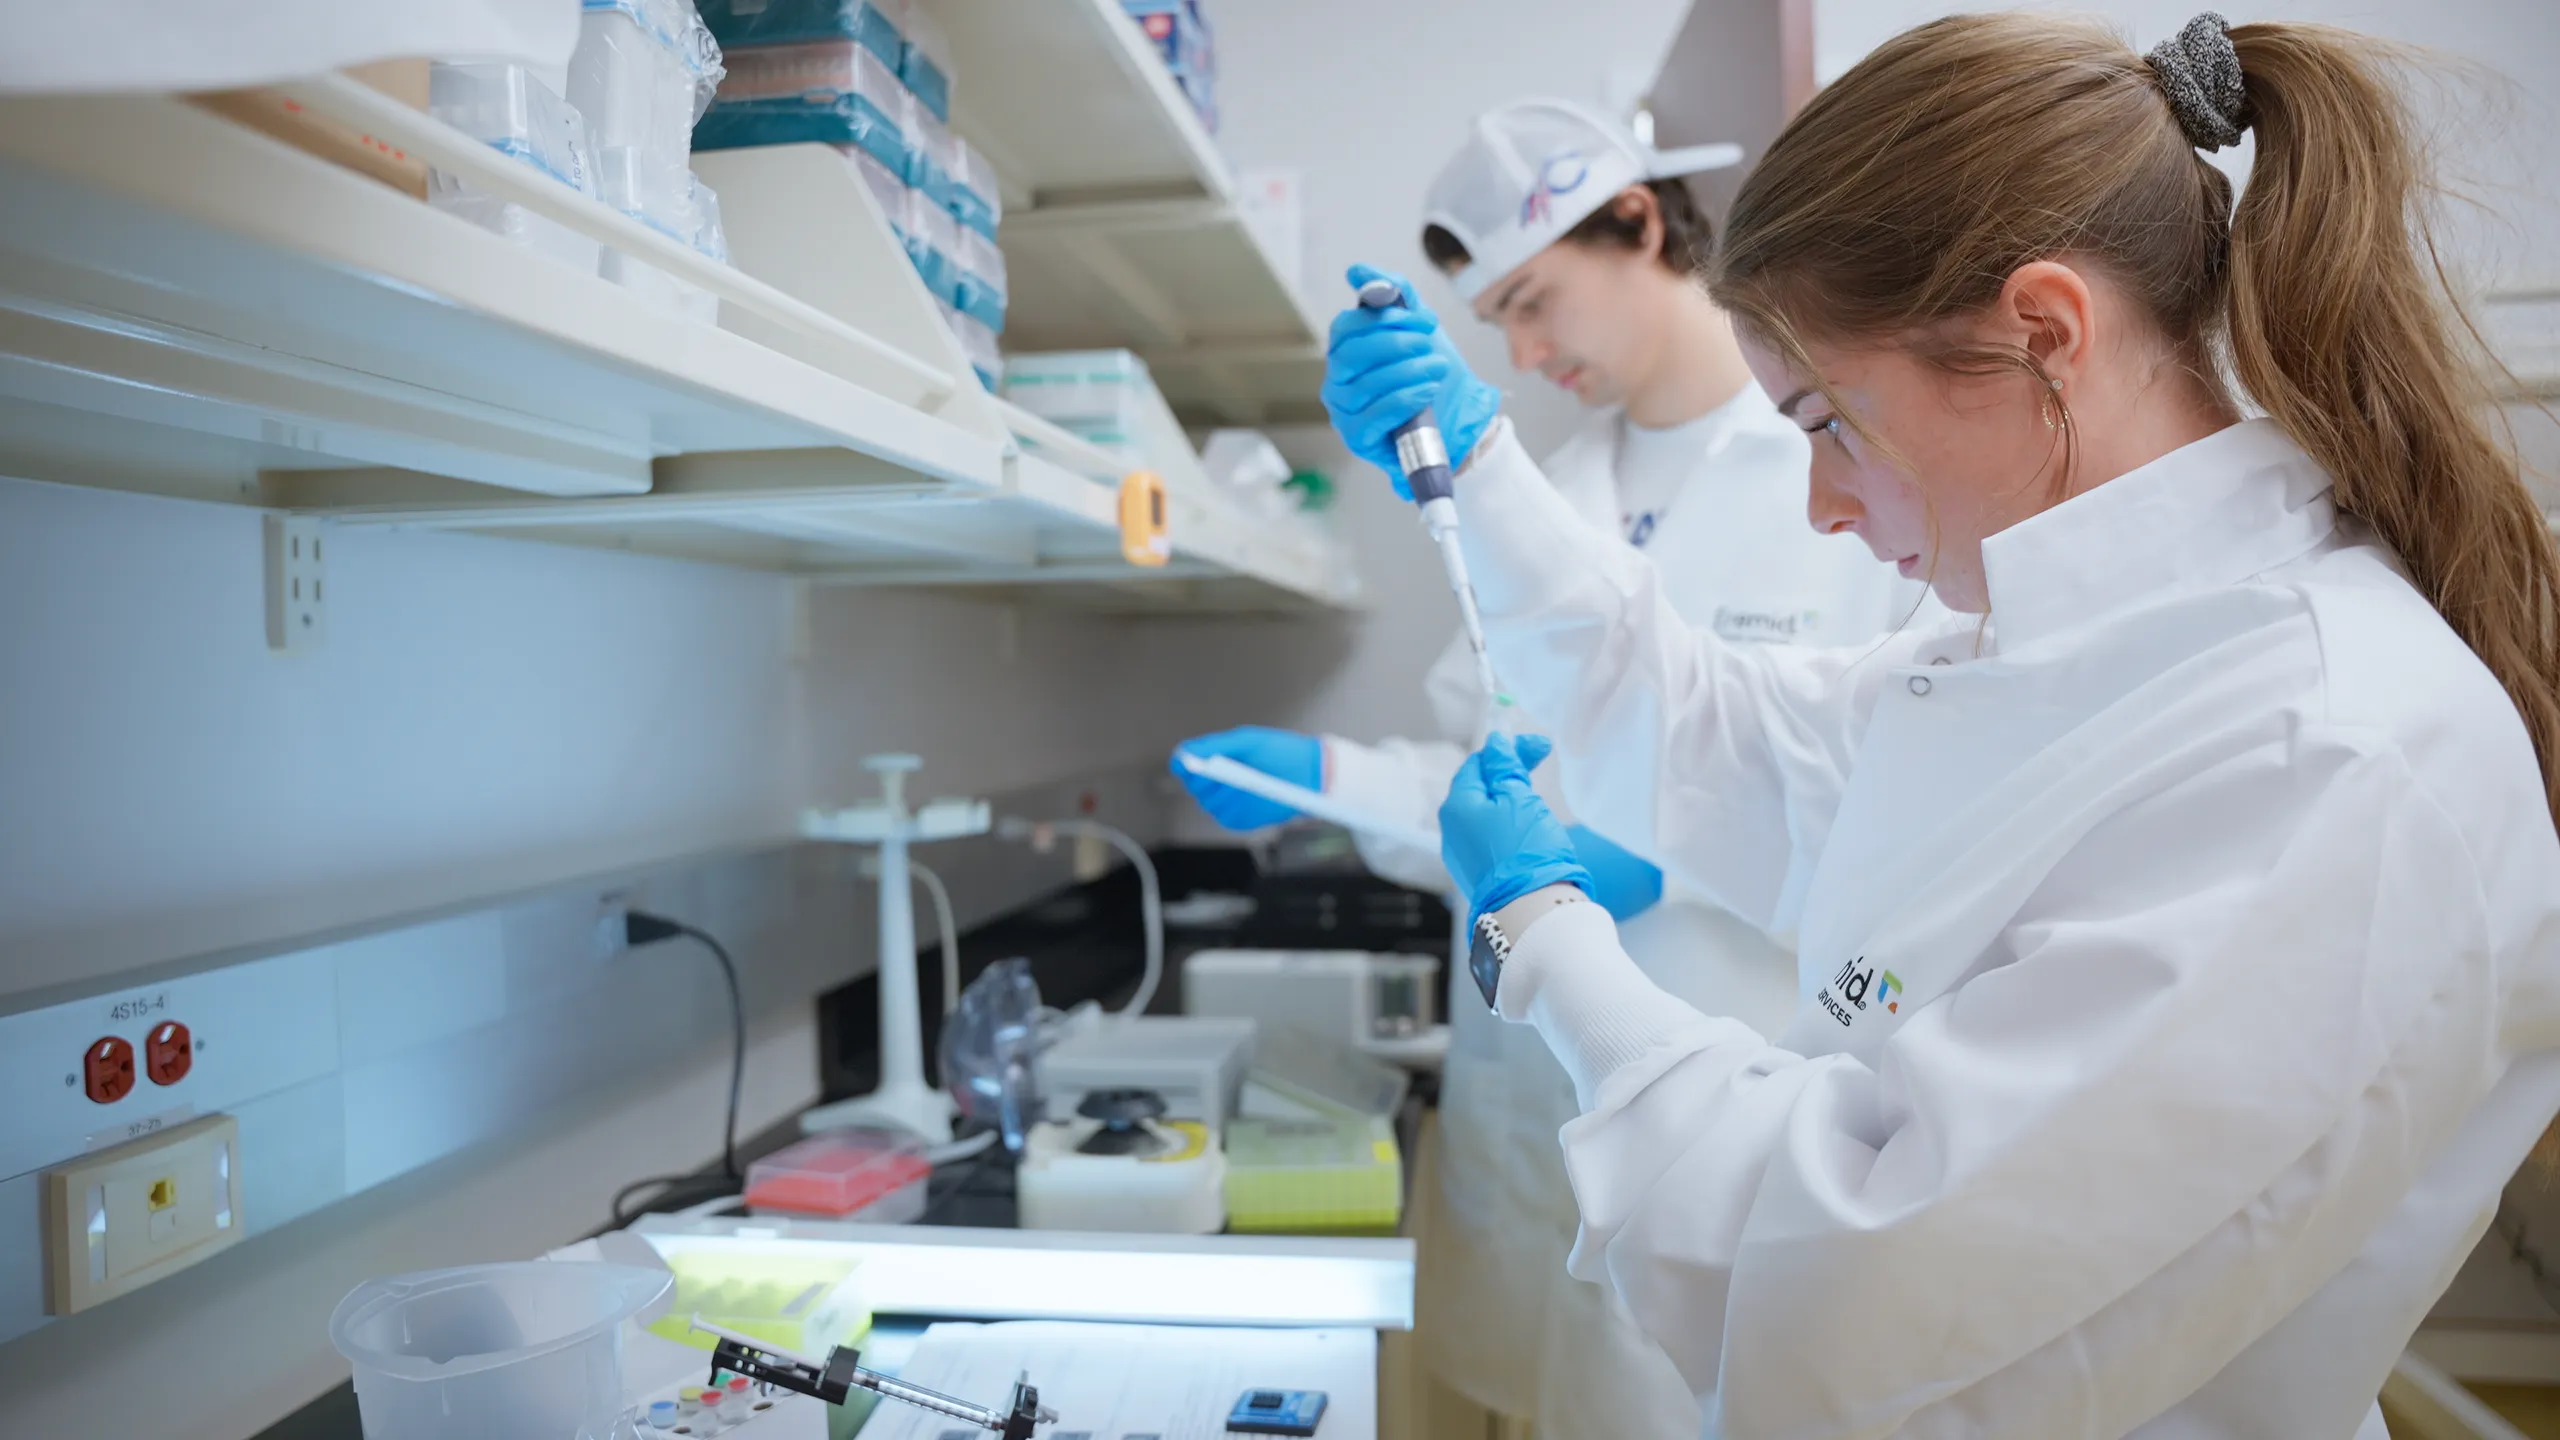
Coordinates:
(108, 1069)
(168, 1053)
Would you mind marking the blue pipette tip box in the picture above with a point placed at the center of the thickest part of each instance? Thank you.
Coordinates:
(1277, 1412)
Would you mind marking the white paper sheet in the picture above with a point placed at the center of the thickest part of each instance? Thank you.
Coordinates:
(1131, 1382)
(1237, 775)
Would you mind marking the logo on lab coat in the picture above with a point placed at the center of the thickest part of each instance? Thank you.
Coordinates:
(1858, 985)
(1779, 626)
(1563, 174)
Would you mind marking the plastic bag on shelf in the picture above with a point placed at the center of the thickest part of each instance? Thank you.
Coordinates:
(881, 25)
(834, 92)
(637, 76)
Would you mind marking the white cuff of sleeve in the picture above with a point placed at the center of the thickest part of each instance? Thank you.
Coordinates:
(1569, 977)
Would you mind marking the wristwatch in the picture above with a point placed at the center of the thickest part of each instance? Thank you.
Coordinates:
(1489, 944)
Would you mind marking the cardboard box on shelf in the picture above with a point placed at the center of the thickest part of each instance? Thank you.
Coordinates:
(270, 113)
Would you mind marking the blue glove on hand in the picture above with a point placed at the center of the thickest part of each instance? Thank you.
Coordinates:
(1282, 754)
(1384, 367)
(1623, 883)
(1499, 840)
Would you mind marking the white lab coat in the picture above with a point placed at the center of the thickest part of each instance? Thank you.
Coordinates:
(1501, 1321)
(2184, 949)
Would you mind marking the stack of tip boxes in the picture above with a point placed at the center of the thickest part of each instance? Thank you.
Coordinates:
(873, 79)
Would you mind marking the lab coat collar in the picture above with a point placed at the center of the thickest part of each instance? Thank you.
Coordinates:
(2237, 503)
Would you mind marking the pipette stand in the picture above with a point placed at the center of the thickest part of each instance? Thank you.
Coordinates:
(904, 1101)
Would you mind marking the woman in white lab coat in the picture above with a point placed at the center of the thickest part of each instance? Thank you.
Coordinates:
(2181, 927)
(1585, 248)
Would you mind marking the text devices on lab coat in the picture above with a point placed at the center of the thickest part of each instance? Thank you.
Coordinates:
(2180, 950)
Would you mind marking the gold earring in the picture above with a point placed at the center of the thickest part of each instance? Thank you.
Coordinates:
(2052, 395)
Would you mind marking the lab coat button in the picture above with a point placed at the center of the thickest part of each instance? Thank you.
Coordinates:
(1919, 684)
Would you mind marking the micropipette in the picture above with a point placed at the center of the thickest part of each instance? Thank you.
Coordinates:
(1424, 457)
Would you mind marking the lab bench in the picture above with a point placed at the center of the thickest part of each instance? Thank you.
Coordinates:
(1084, 942)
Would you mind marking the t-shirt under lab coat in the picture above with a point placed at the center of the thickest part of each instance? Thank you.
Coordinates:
(2183, 949)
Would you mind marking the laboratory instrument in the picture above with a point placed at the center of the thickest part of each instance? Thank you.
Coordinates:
(991, 1052)
(1424, 457)
(841, 1373)
(1354, 997)
(1122, 1167)
(525, 1351)
(904, 1099)
(1196, 1063)
(1277, 1412)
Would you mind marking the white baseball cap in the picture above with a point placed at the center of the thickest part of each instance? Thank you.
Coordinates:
(1531, 171)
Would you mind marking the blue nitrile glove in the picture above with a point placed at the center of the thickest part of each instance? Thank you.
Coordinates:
(1625, 884)
(1499, 840)
(1382, 367)
(1283, 754)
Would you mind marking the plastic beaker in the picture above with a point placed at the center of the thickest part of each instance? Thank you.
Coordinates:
(530, 1350)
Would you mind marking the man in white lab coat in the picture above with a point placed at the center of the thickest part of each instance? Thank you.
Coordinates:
(1584, 245)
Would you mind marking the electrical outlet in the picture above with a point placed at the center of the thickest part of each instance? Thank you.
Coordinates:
(297, 583)
(119, 1219)
(609, 936)
(168, 1053)
(106, 1069)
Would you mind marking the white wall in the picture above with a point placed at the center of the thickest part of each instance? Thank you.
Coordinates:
(2490, 88)
(485, 716)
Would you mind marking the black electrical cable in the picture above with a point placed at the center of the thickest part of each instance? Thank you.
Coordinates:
(642, 928)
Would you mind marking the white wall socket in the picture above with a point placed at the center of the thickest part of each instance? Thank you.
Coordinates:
(297, 583)
(116, 1220)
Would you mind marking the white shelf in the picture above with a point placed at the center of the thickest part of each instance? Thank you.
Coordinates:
(187, 307)
(1121, 229)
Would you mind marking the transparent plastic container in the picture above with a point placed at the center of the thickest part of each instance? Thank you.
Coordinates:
(876, 1177)
(832, 92)
(887, 186)
(931, 153)
(524, 1351)
(975, 200)
(933, 243)
(881, 25)
(980, 294)
(926, 63)
(978, 342)
(541, 235)
(506, 108)
(639, 77)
